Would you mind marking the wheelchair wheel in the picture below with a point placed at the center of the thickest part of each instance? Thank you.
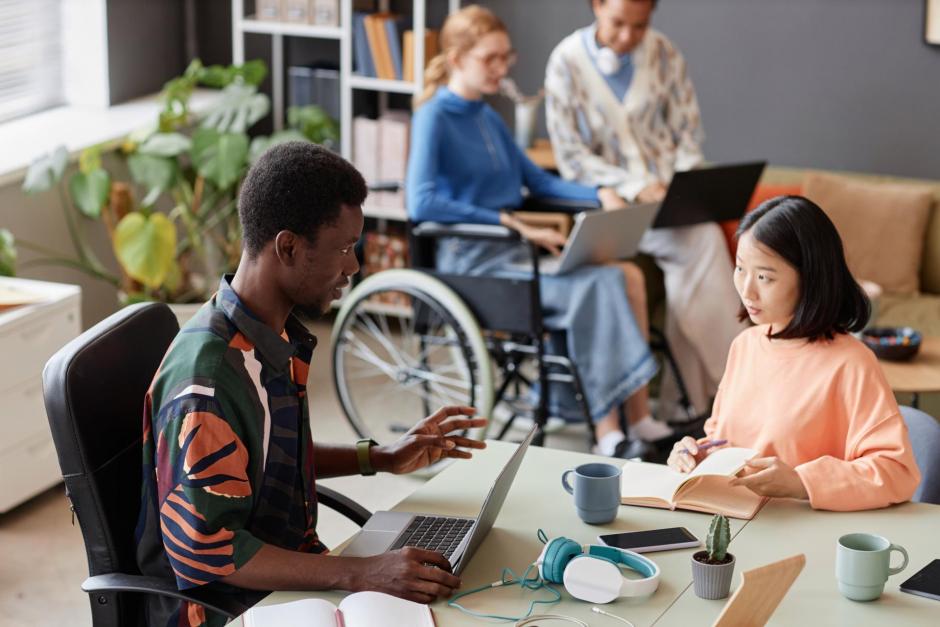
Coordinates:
(404, 344)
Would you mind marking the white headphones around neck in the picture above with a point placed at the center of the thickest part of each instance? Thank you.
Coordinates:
(592, 572)
(608, 62)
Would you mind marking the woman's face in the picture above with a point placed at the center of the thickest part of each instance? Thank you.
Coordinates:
(482, 67)
(769, 287)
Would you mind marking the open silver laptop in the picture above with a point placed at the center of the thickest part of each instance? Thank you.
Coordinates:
(456, 538)
(599, 237)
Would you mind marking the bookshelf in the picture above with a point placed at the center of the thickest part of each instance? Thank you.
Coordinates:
(243, 23)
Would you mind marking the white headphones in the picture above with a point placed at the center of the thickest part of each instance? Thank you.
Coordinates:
(608, 62)
(592, 572)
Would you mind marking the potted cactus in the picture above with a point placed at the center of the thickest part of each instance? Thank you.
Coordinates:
(713, 568)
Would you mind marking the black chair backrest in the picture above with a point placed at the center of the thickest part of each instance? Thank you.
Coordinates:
(498, 304)
(94, 390)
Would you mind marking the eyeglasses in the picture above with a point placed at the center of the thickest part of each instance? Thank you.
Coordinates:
(507, 59)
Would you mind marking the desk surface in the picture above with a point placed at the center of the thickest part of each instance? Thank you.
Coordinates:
(920, 374)
(538, 500)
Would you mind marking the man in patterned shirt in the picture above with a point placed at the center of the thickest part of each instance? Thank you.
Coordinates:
(621, 111)
(230, 467)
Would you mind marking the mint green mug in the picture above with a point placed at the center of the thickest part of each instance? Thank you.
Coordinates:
(863, 565)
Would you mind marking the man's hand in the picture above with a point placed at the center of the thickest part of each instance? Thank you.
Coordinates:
(769, 476)
(609, 199)
(654, 192)
(429, 441)
(410, 573)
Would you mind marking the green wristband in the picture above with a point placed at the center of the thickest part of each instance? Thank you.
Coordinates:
(362, 456)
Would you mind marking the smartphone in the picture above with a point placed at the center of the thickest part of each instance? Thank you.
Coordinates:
(925, 582)
(652, 540)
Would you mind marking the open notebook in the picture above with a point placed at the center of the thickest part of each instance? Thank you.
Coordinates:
(705, 489)
(362, 609)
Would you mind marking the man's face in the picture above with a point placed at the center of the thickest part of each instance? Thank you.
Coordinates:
(622, 24)
(323, 266)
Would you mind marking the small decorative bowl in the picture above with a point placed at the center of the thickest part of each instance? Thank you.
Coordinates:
(892, 343)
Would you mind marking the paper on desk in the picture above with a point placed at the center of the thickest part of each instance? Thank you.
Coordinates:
(14, 296)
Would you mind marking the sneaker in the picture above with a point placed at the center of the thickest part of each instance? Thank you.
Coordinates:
(634, 449)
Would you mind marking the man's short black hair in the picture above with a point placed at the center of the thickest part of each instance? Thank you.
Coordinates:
(298, 187)
(830, 299)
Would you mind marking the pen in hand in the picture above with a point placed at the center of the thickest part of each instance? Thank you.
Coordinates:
(704, 446)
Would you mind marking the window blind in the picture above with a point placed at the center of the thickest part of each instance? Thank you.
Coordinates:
(30, 56)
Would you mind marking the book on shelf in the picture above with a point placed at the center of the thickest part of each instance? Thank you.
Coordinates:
(378, 44)
(297, 12)
(408, 52)
(362, 56)
(362, 609)
(325, 12)
(365, 152)
(393, 156)
(394, 29)
(314, 84)
(268, 10)
(704, 489)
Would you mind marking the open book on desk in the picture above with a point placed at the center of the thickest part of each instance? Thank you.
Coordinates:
(362, 609)
(705, 489)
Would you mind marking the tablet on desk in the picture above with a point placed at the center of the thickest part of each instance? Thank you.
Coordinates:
(925, 582)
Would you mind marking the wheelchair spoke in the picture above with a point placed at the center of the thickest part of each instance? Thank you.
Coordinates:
(368, 327)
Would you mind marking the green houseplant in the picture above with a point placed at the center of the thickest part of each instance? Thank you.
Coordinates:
(173, 224)
(713, 568)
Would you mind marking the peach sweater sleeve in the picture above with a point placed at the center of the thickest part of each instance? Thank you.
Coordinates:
(878, 467)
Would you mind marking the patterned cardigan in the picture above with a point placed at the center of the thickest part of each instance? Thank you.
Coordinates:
(654, 132)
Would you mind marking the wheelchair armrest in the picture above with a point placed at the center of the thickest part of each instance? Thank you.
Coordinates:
(557, 205)
(343, 505)
(473, 231)
(228, 605)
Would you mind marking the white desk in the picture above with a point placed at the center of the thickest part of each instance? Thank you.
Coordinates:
(535, 501)
(782, 528)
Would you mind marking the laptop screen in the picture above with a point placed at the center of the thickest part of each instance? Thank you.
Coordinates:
(494, 501)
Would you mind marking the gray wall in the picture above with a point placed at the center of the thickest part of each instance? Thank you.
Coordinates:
(146, 46)
(836, 84)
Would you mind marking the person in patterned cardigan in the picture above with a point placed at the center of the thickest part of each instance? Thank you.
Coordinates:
(622, 112)
(229, 463)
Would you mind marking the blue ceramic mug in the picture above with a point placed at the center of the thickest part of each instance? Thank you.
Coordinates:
(596, 491)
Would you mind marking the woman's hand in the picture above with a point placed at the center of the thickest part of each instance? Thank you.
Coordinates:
(610, 199)
(547, 238)
(684, 461)
(769, 476)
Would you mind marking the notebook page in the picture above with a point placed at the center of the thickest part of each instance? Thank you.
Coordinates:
(725, 461)
(369, 609)
(713, 495)
(303, 613)
(643, 480)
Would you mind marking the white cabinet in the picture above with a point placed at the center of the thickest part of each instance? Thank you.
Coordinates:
(29, 336)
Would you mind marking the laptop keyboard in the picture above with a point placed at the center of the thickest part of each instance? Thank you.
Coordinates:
(435, 533)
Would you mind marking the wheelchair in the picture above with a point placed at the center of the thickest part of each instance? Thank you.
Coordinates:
(407, 341)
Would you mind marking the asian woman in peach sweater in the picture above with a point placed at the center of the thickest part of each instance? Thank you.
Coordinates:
(809, 397)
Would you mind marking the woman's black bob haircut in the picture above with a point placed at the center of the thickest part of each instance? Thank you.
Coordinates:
(830, 300)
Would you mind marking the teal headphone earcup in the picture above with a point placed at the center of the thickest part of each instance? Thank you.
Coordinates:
(559, 552)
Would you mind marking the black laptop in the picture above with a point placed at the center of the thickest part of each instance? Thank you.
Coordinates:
(712, 194)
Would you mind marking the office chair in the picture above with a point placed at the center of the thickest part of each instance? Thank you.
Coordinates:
(94, 390)
(925, 440)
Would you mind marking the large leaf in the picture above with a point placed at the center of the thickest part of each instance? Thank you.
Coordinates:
(165, 145)
(239, 108)
(90, 191)
(220, 157)
(146, 247)
(157, 174)
(45, 171)
(7, 253)
(315, 123)
(261, 143)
